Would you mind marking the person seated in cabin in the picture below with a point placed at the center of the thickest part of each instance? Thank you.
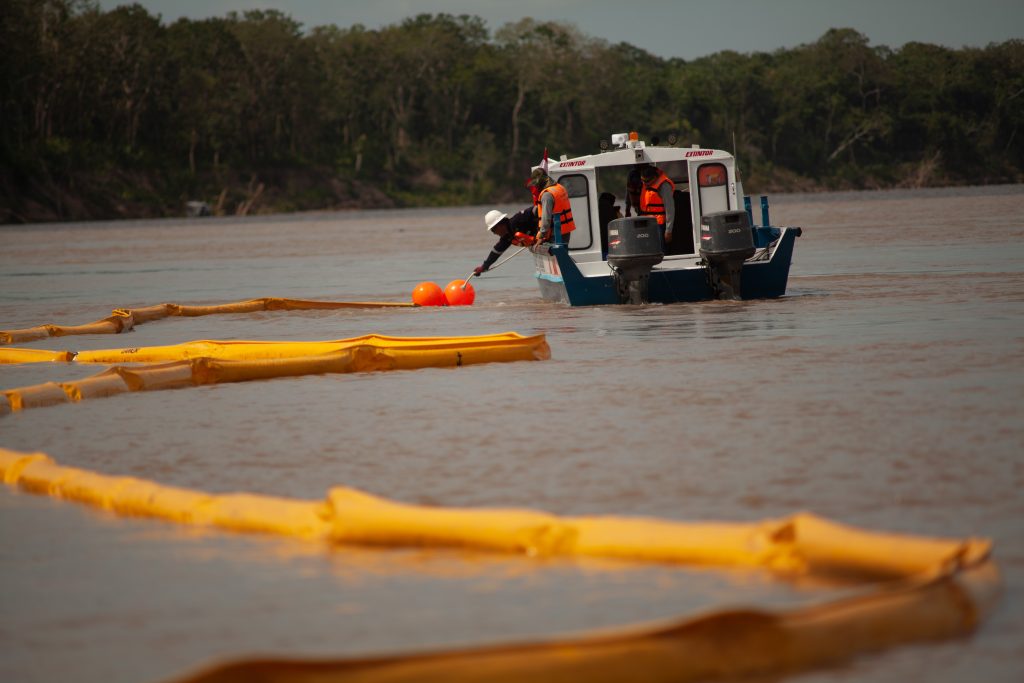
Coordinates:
(606, 208)
(656, 199)
(552, 202)
(634, 186)
(519, 229)
(606, 213)
(682, 226)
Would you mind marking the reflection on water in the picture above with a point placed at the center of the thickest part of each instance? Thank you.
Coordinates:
(883, 391)
(741, 319)
(220, 594)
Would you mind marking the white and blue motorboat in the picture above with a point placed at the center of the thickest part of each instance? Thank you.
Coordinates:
(717, 250)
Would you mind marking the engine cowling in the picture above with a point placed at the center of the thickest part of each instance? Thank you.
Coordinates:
(634, 247)
(726, 241)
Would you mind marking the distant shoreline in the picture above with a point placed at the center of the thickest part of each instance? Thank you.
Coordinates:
(126, 196)
(116, 114)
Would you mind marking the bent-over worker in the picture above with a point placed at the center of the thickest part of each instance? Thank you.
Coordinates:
(519, 229)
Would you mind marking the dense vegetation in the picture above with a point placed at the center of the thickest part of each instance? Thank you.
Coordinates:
(115, 113)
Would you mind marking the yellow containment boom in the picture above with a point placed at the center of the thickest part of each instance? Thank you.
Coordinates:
(463, 350)
(12, 356)
(914, 588)
(124, 319)
(212, 362)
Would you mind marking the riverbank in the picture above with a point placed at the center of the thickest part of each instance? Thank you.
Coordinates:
(112, 194)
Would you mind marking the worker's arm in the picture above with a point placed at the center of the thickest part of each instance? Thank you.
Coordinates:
(547, 206)
(497, 250)
(665, 192)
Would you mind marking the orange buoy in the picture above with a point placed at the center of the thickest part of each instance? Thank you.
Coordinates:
(457, 296)
(428, 294)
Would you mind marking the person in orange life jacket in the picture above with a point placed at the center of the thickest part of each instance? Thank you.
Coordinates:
(634, 187)
(553, 201)
(656, 199)
(518, 229)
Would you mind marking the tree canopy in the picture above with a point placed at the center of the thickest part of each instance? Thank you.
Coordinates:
(116, 113)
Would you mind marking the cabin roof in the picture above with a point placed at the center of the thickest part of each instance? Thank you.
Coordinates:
(639, 154)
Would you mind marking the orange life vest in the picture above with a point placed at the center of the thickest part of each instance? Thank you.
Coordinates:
(650, 198)
(562, 209)
(521, 239)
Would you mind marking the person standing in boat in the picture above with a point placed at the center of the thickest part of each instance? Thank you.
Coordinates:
(656, 199)
(634, 188)
(553, 200)
(519, 229)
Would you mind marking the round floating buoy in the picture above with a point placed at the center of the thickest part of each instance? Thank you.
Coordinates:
(457, 296)
(428, 294)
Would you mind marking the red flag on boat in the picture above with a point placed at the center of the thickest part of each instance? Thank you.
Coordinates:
(535, 192)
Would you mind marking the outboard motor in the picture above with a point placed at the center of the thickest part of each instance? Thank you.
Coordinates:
(634, 247)
(726, 241)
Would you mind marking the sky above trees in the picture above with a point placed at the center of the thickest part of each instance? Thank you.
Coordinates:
(667, 28)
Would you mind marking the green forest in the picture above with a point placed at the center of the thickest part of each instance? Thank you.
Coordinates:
(110, 114)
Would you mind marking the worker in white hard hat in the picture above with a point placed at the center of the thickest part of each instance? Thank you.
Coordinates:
(519, 229)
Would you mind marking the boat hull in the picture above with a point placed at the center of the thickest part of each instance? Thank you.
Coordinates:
(560, 279)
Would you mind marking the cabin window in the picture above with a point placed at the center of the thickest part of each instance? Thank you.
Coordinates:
(676, 170)
(612, 194)
(711, 175)
(713, 184)
(578, 188)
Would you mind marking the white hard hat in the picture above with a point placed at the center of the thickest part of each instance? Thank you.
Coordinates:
(493, 217)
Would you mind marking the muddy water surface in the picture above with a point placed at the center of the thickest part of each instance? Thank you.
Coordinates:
(884, 390)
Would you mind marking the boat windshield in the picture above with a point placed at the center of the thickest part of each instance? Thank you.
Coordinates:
(615, 181)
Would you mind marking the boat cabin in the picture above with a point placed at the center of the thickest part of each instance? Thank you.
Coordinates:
(705, 182)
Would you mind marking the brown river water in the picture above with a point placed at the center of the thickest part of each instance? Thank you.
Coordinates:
(885, 390)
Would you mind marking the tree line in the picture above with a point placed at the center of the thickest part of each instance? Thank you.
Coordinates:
(115, 113)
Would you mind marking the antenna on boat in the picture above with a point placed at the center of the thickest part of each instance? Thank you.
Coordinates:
(735, 157)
